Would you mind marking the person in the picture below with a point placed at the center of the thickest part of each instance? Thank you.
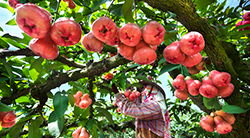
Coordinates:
(149, 110)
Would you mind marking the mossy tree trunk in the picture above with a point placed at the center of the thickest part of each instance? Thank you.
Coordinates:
(186, 14)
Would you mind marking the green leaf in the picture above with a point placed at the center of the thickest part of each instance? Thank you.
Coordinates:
(55, 124)
(233, 109)
(16, 130)
(3, 79)
(53, 5)
(81, 3)
(34, 125)
(22, 99)
(11, 22)
(140, 77)
(33, 74)
(8, 69)
(211, 103)
(3, 44)
(1, 29)
(116, 9)
(97, 3)
(4, 107)
(71, 99)
(90, 123)
(60, 102)
(6, 6)
(201, 4)
(169, 67)
(107, 115)
(127, 10)
(37, 65)
(147, 11)
(122, 81)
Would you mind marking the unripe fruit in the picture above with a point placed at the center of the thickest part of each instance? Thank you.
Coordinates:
(207, 123)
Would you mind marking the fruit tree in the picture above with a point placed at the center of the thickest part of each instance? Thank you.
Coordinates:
(90, 45)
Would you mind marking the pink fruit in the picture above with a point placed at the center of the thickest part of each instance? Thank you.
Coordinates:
(208, 90)
(71, 4)
(132, 97)
(77, 97)
(207, 123)
(127, 93)
(8, 124)
(188, 80)
(226, 91)
(182, 95)
(239, 24)
(207, 80)
(221, 126)
(9, 117)
(115, 41)
(192, 43)
(44, 47)
(154, 47)
(65, 32)
(153, 33)
(130, 34)
(173, 54)
(221, 79)
(192, 60)
(246, 16)
(2, 114)
(137, 94)
(33, 20)
(228, 117)
(179, 83)
(77, 132)
(13, 3)
(104, 29)
(91, 43)
(213, 73)
(126, 51)
(193, 87)
(144, 55)
(84, 133)
(85, 101)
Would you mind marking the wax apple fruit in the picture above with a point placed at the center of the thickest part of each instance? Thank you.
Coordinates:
(126, 51)
(91, 43)
(130, 34)
(44, 47)
(173, 54)
(193, 87)
(179, 83)
(115, 41)
(33, 20)
(192, 60)
(65, 32)
(13, 3)
(192, 43)
(85, 101)
(182, 95)
(144, 55)
(153, 33)
(71, 4)
(84, 133)
(228, 117)
(246, 16)
(221, 79)
(221, 126)
(77, 132)
(9, 117)
(207, 123)
(208, 90)
(226, 91)
(127, 93)
(104, 29)
(77, 97)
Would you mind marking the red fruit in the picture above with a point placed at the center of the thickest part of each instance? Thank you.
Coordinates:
(130, 34)
(208, 90)
(33, 20)
(8, 124)
(207, 123)
(114, 104)
(71, 4)
(221, 79)
(84, 133)
(85, 101)
(207, 80)
(246, 16)
(126, 51)
(132, 97)
(77, 97)
(213, 73)
(77, 132)
(91, 43)
(221, 126)
(2, 114)
(239, 24)
(154, 47)
(115, 41)
(193, 87)
(228, 117)
(9, 117)
(150, 78)
(200, 66)
(127, 93)
(137, 94)
(104, 29)
(44, 47)
(192, 60)
(244, 23)
(109, 76)
(188, 80)
(144, 55)
(192, 43)
(192, 70)
(13, 3)
(173, 54)
(226, 91)
(179, 83)
(153, 33)
(65, 32)
(182, 95)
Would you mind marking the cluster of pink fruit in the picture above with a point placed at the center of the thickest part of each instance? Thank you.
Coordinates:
(246, 20)
(80, 132)
(217, 83)
(8, 119)
(219, 120)
(82, 101)
(186, 51)
(36, 22)
(132, 41)
(131, 95)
